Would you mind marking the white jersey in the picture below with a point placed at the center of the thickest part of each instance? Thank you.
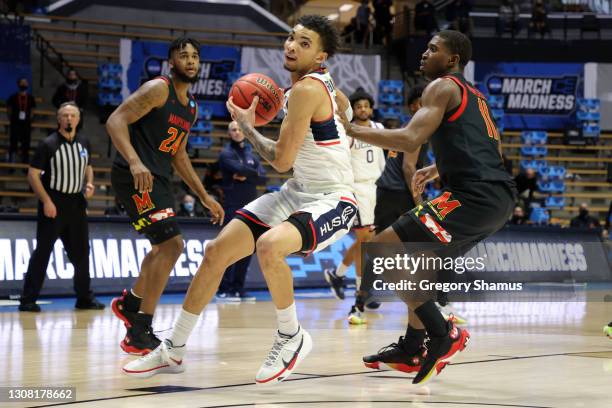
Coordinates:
(323, 163)
(368, 161)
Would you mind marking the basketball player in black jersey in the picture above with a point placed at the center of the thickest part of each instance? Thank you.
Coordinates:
(476, 200)
(150, 131)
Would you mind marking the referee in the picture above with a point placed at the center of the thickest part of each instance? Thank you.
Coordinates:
(62, 159)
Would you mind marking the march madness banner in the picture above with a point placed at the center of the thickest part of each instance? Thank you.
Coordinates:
(144, 60)
(116, 251)
(536, 95)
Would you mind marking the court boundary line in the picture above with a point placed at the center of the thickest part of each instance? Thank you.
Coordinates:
(318, 376)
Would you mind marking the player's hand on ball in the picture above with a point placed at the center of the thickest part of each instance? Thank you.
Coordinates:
(49, 209)
(242, 116)
(143, 179)
(215, 209)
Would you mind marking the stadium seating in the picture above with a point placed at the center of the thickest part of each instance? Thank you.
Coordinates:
(496, 101)
(534, 151)
(556, 203)
(534, 137)
(109, 84)
(539, 216)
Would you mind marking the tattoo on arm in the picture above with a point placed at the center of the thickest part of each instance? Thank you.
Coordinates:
(265, 146)
(142, 103)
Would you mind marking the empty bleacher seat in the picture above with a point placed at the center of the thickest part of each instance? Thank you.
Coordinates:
(588, 104)
(389, 112)
(391, 86)
(497, 114)
(551, 187)
(390, 99)
(200, 142)
(539, 215)
(534, 151)
(205, 111)
(496, 101)
(554, 202)
(588, 116)
(202, 126)
(534, 137)
(552, 173)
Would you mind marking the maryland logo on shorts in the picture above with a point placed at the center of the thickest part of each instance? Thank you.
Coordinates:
(143, 203)
(436, 229)
(161, 214)
(443, 205)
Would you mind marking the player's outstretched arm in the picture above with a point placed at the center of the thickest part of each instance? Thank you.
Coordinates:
(304, 99)
(152, 94)
(435, 103)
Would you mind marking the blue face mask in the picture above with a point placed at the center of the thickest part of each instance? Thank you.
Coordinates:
(188, 206)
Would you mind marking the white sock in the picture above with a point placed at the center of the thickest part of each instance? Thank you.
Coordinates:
(183, 326)
(358, 283)
(287, 320)
(341, 270)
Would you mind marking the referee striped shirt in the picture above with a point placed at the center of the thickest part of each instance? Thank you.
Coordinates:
(63, 163)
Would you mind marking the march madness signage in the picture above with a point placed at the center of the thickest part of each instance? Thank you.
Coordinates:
(116, 252)
(536, 95)
(144, 60)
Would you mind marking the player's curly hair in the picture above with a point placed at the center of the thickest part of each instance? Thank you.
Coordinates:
(324, 27)
(457, 43)
(361, 94)
(180, 43)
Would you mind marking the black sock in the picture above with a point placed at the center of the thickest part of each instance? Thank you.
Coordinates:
(131, 302)
(432, 319)
(417, 335)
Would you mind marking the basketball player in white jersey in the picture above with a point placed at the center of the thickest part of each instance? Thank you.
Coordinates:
(313, 209)
(367, 162)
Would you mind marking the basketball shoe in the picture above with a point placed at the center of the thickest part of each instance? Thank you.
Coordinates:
(139, 340)
(286, 354)
(164, 359)
(405, 356)
(441, 350)
(125, 307)
(608, 330)
(336, 283)
(357, 315)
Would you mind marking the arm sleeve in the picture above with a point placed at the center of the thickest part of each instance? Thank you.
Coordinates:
(41, 156)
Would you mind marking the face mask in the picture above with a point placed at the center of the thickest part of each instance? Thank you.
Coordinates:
(188, 206)
(71, 81)
(23, 87)
(584, 213)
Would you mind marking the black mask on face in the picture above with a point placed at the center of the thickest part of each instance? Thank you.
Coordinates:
(583, 212)
(23, 87)
(71, 81)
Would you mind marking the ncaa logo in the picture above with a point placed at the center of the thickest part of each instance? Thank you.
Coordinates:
(153, 67)
(494, 84)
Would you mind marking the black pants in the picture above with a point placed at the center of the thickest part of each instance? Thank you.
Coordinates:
(70, 225)
(235, 275)
(20, 132)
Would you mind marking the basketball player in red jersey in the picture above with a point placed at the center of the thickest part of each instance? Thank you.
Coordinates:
(476, 201)
(149, 130)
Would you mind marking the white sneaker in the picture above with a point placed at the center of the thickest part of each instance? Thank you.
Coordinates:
(286, 354)
(164, 359)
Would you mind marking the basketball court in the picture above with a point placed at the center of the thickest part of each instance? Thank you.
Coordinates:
(520, 355)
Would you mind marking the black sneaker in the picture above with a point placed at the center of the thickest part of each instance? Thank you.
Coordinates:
(29, 307)
(440, 350)
(90, 303)
(119, 309)
(401, 356)
(335, 282)
(140, 339)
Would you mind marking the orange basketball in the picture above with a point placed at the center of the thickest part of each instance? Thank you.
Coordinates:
(270, 96)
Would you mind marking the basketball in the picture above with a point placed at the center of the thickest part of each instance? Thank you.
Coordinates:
(270, 96)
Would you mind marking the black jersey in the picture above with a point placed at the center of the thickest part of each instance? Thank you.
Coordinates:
(466, 144)
(157, 136)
